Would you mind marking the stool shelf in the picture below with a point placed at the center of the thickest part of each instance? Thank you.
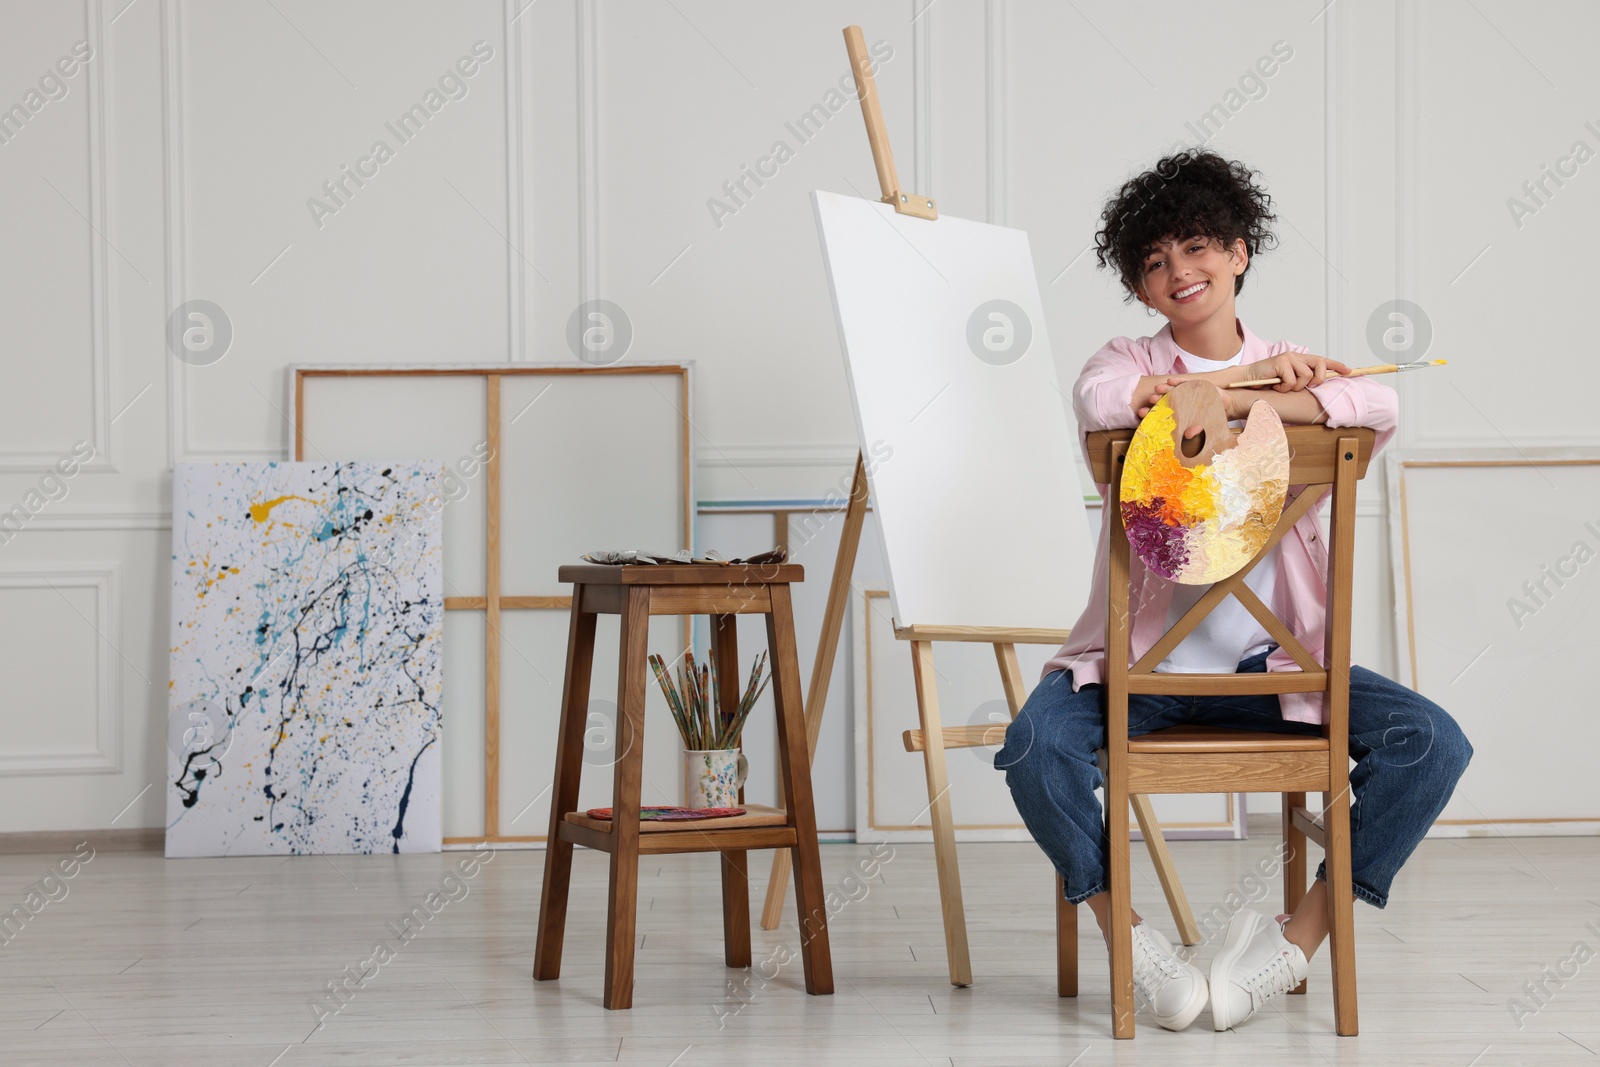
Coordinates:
(736, 833)
(754, 815)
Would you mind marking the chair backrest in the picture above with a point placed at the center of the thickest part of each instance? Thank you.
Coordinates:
(1320, 457)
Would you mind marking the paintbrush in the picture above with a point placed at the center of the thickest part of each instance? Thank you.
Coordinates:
(674, 702)
(702, 723)
(1377, 368)
(752, 693)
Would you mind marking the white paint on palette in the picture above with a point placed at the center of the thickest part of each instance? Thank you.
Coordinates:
(307, 632)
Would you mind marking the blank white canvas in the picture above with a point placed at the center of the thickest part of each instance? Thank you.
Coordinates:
(971, 463)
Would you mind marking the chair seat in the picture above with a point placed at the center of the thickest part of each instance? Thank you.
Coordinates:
(1220, 739)
(1214, 759)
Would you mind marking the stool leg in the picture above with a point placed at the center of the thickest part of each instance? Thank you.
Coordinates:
(794, 755)
(735, 866)
(564, 791)
(628, 773)
(1294, 860)
(735, 908)
(1066, 944)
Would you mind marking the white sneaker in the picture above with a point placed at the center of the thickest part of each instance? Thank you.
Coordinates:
(1172, 988)
(1256, 964)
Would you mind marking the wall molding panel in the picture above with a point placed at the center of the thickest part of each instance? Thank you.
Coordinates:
(517, 326)
(31, 461)
(106, 755)
(996, 108)
(587, 90)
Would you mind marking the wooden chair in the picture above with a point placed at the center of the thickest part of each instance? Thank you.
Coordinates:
(1200, 760)
(636, 592)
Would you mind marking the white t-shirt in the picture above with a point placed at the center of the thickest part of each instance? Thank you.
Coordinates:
(1230, 633)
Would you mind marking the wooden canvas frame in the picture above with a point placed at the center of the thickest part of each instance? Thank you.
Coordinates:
(494, 601)
(1405, 639)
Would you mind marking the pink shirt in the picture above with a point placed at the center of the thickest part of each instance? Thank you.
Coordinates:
(1101, 398)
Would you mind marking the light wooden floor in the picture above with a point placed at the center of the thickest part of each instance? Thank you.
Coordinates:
(213, 962)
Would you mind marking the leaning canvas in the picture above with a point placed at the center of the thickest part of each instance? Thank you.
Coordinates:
(307, 630)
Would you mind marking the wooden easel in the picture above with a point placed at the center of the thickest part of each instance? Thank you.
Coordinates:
(934, 738)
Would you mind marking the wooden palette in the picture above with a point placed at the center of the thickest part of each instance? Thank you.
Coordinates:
(1198, 518)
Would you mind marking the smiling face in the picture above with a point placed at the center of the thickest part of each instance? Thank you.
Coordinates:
(1191, 280)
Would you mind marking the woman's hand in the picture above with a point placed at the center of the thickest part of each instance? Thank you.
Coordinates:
(1218, 378)
(1298, 371)
(1162, 389)
(1234, 403)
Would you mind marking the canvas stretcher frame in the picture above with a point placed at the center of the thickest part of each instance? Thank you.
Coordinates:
(494, 601)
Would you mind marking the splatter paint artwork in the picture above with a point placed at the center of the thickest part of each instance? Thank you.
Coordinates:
(1198, 524)
(307, 630)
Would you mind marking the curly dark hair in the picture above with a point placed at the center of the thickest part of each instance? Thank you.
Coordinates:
(1191, 193)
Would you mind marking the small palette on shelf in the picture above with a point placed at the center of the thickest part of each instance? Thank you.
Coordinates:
(670, 814)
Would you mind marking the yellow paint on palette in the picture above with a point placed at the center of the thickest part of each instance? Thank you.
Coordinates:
(1197, 525)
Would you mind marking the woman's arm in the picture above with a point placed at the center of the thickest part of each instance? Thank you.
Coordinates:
(1297, 408)
(1298, 371)
(1106, 394)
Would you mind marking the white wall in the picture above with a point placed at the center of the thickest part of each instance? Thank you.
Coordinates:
(179, 163)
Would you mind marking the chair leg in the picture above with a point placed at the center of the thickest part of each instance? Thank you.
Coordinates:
(1341, 912)
(564, 792)
(1294, 861)
(623, 904)
(735, 908)
(1066, 944)
(944, 834)
(1166, 870)
(1121, 917)
(794, 758)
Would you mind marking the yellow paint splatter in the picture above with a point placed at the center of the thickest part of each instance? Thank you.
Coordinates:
(259, 512)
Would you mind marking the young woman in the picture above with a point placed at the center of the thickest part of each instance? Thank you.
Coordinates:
(1181, 237)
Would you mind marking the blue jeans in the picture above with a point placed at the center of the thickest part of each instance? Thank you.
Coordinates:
(1409, 755)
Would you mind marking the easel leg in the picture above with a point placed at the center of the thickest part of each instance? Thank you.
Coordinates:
(844, 564)
(1294, 861)
(1005, 655)
(564, 793)
(629, 771)
(1161, 856)
(944, 837)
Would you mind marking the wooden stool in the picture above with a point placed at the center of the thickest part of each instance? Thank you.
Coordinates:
(636, 592)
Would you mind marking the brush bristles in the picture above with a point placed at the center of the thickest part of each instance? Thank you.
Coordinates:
(693, 702)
